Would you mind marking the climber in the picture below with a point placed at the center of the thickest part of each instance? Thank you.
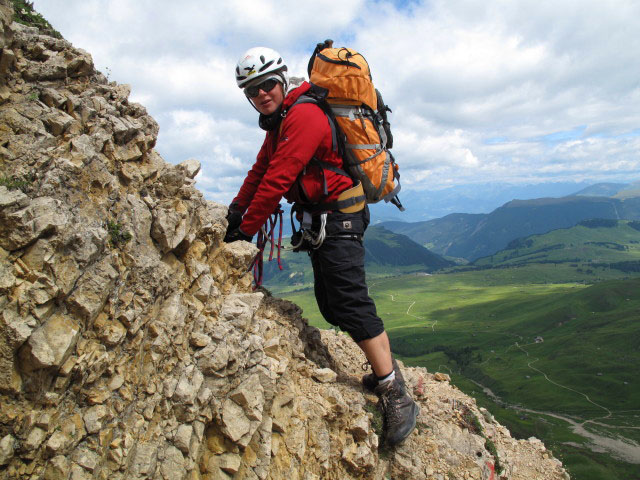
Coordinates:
(297, 161)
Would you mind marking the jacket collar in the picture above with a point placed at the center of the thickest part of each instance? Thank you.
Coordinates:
(294, 94)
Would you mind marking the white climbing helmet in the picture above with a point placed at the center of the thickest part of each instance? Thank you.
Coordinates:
(258, 62)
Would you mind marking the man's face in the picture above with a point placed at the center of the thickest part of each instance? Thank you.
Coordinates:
(268, 102)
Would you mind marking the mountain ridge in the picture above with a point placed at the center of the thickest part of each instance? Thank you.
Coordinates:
(472, 236)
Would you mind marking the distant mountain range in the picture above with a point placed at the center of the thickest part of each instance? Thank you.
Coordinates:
(616, 190)
(602, 189)
(422, 205)
(472, 236)
(427, 204)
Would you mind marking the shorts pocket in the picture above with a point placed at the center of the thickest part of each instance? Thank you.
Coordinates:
(338, 254)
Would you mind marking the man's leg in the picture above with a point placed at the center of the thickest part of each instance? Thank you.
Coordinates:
(344, 300)
(378, 352)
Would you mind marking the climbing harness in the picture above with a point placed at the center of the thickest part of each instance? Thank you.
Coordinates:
(306, 239)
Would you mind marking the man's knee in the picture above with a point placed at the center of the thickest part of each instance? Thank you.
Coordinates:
(366, 332)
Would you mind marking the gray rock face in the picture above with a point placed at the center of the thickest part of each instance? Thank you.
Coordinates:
(6, 449)
(132, 345)
(23, 220)
(50, 344)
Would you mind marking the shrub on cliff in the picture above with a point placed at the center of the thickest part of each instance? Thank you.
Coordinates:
(24, 13)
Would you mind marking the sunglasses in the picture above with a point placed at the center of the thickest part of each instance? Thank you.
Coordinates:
(266, 87)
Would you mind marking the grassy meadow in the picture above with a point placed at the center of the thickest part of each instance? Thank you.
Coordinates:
(549, 338)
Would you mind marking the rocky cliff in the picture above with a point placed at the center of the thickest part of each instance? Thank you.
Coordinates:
(131, 343)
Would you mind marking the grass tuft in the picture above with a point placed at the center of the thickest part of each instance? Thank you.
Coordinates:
(17, 183)
(377, 421)
(117, 235)
(491, 448)
(471, 422)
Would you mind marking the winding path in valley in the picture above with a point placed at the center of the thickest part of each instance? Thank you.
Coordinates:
(412, 303)
(620, 447)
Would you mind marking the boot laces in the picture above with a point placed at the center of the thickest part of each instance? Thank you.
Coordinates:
(390, 402)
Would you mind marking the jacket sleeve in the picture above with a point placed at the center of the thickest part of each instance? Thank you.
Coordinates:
(303, 130)
(253, 178)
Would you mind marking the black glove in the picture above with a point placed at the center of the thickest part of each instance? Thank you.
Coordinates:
(235, 235)
(234, 217)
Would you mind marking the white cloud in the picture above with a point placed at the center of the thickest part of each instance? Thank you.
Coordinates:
(479, 90)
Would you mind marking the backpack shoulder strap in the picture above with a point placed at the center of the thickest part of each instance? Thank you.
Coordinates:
(318, 96)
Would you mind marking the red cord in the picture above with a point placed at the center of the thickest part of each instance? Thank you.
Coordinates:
(258, 263)
(280, 212)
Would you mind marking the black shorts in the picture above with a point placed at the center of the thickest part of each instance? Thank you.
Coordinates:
(339, 277)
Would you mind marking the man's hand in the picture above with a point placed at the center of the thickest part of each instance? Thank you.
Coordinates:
(235, 235)
(234, 217)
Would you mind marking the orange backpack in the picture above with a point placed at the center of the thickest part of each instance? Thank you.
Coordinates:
(361, 117)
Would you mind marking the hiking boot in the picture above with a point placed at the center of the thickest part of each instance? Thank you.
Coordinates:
(370, 381)
(400, 411)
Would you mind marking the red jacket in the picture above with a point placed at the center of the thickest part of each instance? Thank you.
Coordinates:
(284, 157)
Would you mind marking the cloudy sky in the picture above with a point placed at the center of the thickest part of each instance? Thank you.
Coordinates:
(504, 90)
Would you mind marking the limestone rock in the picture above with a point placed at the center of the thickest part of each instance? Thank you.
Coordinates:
(35, 439)
(86, 458)
(183, 436)
(144, 460)
(229, 462)
(58, 468)
(58, 442)
(188, 385)
(325, 375)
(170, 224)
(250, 396)
(21, 226)
(239, 308)
(50, 344)
(441, 377)
(6, 16)
(94, 417)
(190, 167)
(234, 420)
(6, 449)
(92, 289)
(173, 465)
(214, 358)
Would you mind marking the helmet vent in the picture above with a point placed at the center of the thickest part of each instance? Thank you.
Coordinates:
(266, 65)
(262, 58)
